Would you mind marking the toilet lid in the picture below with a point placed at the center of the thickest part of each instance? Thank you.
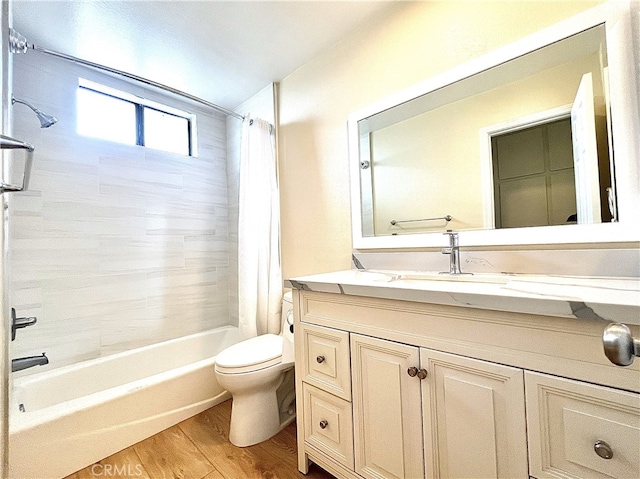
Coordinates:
(251, 354)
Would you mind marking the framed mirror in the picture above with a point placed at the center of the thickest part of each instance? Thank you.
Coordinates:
(535, 143)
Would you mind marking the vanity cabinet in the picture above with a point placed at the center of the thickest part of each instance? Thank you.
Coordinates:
(399, 389)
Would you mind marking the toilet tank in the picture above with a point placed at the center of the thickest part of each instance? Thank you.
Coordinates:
(287, 333)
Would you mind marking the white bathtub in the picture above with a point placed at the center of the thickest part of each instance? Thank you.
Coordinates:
(78, 414)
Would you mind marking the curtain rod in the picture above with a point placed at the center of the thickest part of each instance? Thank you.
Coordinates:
(19, 44)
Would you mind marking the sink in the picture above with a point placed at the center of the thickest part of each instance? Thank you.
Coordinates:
(389, 276)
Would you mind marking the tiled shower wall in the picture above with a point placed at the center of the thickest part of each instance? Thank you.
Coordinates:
(114, 247)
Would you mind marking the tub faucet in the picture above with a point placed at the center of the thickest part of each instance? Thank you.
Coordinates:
(19, 364)
(453, 250)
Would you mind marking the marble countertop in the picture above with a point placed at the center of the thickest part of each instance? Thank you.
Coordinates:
(610, 299)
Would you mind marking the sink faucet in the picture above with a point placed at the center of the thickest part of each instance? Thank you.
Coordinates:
(453, 250)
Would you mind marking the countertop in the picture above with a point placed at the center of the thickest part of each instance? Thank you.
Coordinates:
(610, 299)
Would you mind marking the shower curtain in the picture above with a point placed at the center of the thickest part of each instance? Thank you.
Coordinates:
(259, 269)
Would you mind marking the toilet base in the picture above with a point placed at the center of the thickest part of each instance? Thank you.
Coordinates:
(256, 412)
(251, 425)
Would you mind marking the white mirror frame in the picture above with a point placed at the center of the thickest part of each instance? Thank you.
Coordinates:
(625, 120)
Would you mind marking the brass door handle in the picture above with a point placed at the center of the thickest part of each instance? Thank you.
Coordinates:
(414, 371)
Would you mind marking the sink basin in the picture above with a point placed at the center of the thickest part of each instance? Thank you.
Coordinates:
(388, 276)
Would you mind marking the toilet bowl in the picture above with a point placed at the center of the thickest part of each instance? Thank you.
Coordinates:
(257, 373)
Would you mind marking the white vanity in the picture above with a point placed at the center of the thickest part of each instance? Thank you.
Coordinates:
(411, 375)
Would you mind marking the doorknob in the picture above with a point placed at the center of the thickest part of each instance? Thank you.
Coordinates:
(619, 345)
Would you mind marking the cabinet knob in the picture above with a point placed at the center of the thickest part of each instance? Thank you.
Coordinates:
(412, 371)
(323, 424)
(619, 346)
(422, 373)
(320, 359)
(603, 449)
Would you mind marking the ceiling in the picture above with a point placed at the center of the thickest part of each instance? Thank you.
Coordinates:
(221, 51)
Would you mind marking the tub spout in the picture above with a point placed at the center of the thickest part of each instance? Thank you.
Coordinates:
(19, 364)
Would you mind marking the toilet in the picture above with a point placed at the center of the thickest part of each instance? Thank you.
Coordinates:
(258, 373)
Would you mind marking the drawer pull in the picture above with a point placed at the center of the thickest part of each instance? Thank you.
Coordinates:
(323, 424)
(412, 371)
(603, 449)
(422, 373)
(320, 359)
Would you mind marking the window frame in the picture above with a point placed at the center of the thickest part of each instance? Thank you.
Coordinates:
(140, 104)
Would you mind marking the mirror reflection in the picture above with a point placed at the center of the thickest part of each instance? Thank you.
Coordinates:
(526, 143)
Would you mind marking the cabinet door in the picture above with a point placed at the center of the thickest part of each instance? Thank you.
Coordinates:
(474, 418)
(386, 407)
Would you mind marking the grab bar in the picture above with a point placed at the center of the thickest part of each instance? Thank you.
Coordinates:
(8, 143)
(447, 218)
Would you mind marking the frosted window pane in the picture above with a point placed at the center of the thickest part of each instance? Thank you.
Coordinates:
(166, 132)
(104, 117)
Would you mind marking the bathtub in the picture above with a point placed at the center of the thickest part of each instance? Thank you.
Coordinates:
(65, 419)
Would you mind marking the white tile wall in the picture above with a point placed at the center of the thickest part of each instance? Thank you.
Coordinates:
(114, 246)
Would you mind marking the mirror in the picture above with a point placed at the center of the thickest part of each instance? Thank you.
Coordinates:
(515, 147)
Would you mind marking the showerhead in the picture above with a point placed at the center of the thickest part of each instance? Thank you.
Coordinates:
(45, 120)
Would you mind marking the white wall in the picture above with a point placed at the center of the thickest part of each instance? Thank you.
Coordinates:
(114, 246)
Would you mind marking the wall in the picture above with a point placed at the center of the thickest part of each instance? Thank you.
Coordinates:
(416, 41)
(114, 246)
(261, 105)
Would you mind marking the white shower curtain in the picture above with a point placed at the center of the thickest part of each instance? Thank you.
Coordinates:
(259, 269)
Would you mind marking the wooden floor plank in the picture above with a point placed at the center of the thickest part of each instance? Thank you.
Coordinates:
(214, 475)
(209, 433)
(170, 454)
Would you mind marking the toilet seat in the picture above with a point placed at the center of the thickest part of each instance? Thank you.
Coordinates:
(250, 355)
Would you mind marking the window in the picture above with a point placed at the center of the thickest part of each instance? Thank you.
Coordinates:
(114, 115)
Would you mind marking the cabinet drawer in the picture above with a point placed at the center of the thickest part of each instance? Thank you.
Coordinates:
(326, 360)
(328, 424)
(567, 418)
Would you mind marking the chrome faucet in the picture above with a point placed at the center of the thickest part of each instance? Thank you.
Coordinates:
(453, 250)
(19, 364)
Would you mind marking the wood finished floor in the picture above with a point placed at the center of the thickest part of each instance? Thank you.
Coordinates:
(199, 448)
